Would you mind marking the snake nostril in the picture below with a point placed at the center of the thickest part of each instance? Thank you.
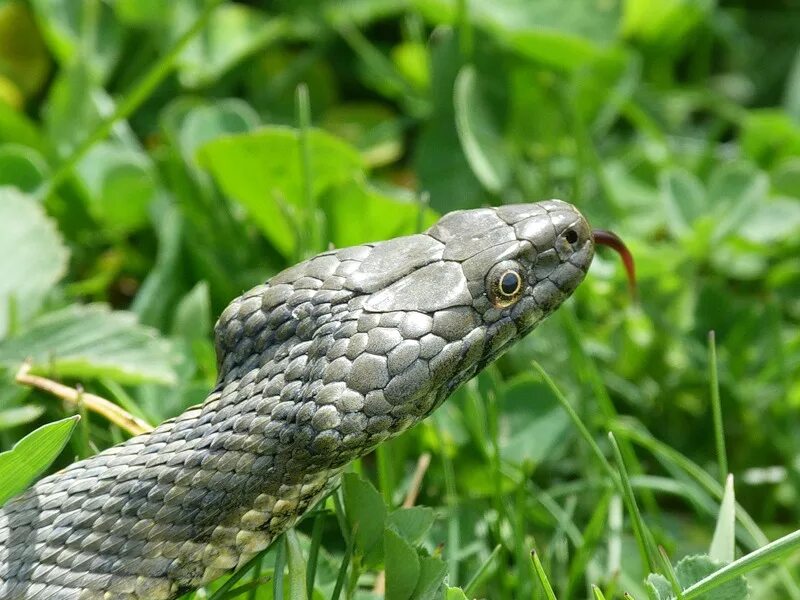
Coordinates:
(571, 236)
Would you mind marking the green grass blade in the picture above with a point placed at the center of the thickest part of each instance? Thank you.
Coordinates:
(542, 576)
(297, 567)
(313, 553)
(724, 540)
(481, 573)
(223, 593)
(768, 554)
(591, 538)
(640, 531)
(666, 569)
(256, 577)
(277, 573)
(672, 456)
(716, 407)
(579, 425)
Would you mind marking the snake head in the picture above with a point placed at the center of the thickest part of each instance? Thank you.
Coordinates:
(357, 344)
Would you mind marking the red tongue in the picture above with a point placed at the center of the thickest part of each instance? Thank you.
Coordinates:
(607, 238)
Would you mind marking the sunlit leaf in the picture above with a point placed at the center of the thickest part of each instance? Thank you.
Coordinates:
(263, 171)
(479, 137)
(366, 514)
(23, 55)
(234, 31)
(22, 167)
(357, 214)
(561, 34)
(694, 568)
(412, 523)
(532, 424)
(92, 341)
(29, 457)
(402, 567)
(111, 172)
(33, 256)
(63, 24)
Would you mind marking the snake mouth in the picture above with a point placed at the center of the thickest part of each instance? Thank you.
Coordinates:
(603, 237)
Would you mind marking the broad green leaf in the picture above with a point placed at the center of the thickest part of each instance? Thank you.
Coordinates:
(480, 140)
(439, 161)
(532, 423)
(263, 171)
(160, 289)
(786, 178)
(22, 167)
(362, 12)
(413, 62)
(193, 314)
(692, 569)
(412, 523)
(735, 189)
(64, 24)
(372, 128)
(75, 106)
(366, 515)
(556, 33)
(204, 123)
(233, 32)
(33, 256)
(603, 87)
(402, 566)
(23, 56)
(432, 571)
(10, 94)
(121, 185)
(663, 23)
(147, 13)
(29, 457)
(357, 213)
(683, 198)
(92, 341)
(773, 222)
(455, 593)
(17, 128)
(770, 136)
(723, 543)
(658, 587)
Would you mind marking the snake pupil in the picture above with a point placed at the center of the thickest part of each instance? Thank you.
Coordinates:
(509, 283)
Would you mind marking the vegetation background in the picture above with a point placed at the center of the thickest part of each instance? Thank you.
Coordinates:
(158, 158)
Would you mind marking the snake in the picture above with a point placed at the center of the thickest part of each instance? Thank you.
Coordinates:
(316, 367)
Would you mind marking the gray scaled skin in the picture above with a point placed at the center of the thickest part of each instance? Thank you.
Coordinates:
(318, 366)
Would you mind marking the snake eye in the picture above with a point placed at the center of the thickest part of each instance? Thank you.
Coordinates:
(504, 284)
(510, 283)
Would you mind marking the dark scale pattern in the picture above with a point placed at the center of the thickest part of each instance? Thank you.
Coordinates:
(316, 367)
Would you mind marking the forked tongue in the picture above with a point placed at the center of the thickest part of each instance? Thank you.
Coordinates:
(612, 240)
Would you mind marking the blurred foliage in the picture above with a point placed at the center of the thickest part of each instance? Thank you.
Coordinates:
(149, 175)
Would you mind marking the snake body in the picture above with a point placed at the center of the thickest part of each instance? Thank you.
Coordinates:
(317, 366)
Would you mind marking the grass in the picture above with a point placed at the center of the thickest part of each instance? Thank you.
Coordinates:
(129, 166)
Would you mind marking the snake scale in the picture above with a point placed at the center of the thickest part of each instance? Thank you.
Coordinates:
(317, 366)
